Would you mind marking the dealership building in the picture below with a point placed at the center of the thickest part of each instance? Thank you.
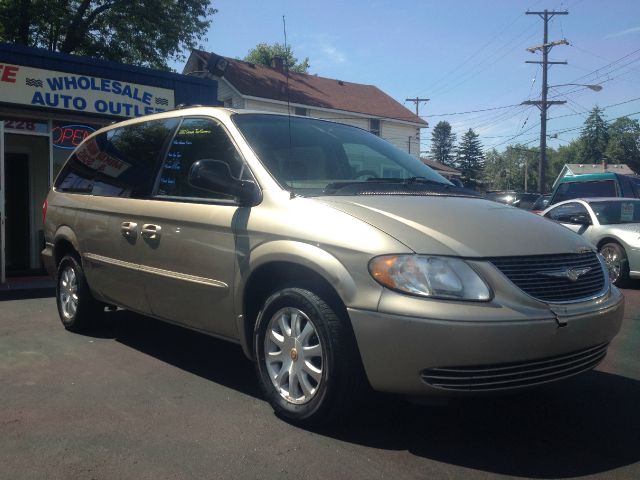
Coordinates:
(49, 102)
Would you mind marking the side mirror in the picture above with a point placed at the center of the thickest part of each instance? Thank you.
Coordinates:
(581, 219)
(215, 176)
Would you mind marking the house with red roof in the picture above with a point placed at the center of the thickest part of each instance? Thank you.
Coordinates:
(448, 172)
(257, 87)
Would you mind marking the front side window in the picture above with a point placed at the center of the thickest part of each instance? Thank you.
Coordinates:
(316, 157)
(568, 213)
(197, 139)
(120, 162)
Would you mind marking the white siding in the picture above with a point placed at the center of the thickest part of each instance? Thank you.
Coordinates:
(345, 118)
(194, 64)
(251, 104)
(225, 92)
(398, 134)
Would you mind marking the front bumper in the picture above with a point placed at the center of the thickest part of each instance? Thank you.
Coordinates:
(397, 349)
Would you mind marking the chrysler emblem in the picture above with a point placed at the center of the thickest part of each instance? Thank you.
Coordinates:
(571, 274)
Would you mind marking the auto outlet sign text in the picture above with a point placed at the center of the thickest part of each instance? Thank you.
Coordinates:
(80, 93)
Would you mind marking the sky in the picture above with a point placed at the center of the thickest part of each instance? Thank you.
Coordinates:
(463, 55)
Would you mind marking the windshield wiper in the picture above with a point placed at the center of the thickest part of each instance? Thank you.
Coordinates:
(350, 185)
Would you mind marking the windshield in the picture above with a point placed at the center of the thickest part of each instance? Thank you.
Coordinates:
(316, 157)
(615, 211)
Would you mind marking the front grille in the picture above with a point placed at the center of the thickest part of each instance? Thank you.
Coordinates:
(514, 375)
(535, 275)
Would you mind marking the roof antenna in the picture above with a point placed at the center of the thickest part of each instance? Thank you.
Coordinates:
(286, 61)
(286, 68)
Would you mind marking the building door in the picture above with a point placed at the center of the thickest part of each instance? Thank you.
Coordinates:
(17, 231)
(25, 164)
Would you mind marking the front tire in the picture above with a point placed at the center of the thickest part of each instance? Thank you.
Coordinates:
(306, 358)
(77, 308)
(617, 262)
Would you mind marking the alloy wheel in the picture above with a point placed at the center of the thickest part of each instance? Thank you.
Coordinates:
(68, 292)
(613, 261)
(293, 355)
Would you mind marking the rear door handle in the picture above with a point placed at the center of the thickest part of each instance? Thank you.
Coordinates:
(151, 231)
(129, 230)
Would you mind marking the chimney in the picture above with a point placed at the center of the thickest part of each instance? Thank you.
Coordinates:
(278, 63)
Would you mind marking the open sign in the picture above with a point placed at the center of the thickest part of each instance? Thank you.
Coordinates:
(70, 136)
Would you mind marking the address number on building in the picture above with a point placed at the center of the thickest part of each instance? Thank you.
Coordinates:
(26, 125)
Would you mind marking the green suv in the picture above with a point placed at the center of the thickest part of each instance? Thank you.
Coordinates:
(588, 185)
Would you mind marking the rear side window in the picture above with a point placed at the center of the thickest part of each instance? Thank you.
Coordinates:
(569, 190)
(197, 139)
(118, 163)
(635, 184)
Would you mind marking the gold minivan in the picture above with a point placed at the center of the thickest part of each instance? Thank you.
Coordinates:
(336, 260)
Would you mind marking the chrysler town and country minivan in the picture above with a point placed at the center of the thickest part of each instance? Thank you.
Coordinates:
(336, 260)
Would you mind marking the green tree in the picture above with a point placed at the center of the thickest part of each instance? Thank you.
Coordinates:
(513, 169)
(264, 53)
(146, 32)
(470, 159)
(443, 143)
(570, 153)
(594, 137)
(624, 142)
(493, 170)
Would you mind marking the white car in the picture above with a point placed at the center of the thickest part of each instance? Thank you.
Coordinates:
(611, 224)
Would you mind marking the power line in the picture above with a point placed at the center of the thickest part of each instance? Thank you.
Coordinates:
(610, 64)
(469, 111)
(474, 55)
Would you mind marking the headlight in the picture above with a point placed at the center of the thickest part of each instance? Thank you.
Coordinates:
(427, 276)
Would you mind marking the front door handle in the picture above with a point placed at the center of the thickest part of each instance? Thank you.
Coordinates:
(151, 231)
(129, 230)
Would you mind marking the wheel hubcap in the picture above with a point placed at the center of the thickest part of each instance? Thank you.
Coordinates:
(293, 355)
(68, 293)
(612, 260)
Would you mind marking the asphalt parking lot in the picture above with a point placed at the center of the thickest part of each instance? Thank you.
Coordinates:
(140, 399)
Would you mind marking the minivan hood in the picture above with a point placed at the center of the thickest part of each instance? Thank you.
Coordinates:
(467, 227)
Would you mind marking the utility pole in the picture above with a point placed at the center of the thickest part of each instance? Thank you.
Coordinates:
(543, 104)
(526, 174)
(417, 101)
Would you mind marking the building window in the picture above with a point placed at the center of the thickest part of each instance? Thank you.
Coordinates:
(374, 126)
(301, 111)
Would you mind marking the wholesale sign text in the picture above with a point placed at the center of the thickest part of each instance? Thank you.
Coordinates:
(80, 93)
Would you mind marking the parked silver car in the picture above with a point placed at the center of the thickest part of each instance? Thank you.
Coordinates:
(611, 224)
(332, 257)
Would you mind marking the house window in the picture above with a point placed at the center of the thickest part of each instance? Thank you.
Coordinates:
(374, 126)
(301, 111)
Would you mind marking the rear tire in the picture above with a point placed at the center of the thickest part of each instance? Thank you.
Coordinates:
(617, 262)
(306, 358)
(77, 308)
